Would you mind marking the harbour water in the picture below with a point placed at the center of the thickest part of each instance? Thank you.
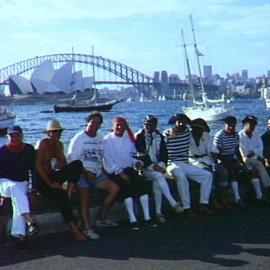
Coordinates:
(33, 121)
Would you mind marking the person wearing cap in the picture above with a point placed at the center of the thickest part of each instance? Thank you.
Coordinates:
(178, 142)
(53, 170)
(87, 146)
(151, 142)
(202, 155)
(124, 168)
(17, 158)
(226, 142)
(251, 148)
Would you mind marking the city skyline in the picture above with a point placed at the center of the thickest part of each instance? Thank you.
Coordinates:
(146, 35)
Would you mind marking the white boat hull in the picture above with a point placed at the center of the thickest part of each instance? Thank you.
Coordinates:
(267, 103)
(214, 113)
(7, 121)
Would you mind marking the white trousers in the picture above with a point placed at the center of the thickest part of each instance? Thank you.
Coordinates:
(261, 170)
(17, 192)
(153, 175)
(182, 172)
(160, 186)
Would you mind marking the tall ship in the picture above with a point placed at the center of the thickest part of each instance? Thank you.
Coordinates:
(208, 109)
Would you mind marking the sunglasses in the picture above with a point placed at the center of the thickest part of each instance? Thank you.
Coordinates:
(15, 135)
(148, 124)
(56, 131)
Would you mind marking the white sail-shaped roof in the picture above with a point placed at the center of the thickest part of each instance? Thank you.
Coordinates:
(44, 87)
(44, 71)
(21, 84)
(77, 81)
(62, 78)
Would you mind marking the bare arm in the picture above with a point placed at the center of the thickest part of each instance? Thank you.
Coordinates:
(42, 165)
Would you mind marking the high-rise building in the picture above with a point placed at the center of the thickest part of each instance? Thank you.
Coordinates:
(207, 71)
(268, 74)
(164, 83)
(164, 76)
(156, 76)
(244, 75)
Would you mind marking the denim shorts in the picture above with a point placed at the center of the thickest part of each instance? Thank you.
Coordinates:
(84, 183)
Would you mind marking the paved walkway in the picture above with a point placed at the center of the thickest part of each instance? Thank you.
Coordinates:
(231, 239)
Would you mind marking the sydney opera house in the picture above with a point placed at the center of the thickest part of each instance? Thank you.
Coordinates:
(45, 79)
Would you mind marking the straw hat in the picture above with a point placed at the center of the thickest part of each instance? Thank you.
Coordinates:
(53, 125)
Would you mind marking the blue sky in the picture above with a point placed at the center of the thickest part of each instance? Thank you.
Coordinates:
(144, 34)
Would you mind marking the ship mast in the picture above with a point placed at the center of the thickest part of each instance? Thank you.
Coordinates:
(188, 65)
(94, 75)
(197, 54)
(73, 71)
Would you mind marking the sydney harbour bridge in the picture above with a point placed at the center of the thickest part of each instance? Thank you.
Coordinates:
(124, 73)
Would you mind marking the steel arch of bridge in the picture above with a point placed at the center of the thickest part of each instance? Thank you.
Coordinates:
(141, 81)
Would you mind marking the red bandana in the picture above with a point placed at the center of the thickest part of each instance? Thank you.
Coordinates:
(15, 147)
(123, 121)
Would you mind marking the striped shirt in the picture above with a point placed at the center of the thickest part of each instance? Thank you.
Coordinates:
(177, 145)
(226, 144)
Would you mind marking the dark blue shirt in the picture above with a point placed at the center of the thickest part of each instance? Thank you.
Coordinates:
(17, 166)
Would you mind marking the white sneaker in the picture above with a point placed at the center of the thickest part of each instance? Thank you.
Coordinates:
(92, 235)
(178, 209)
(106, 223)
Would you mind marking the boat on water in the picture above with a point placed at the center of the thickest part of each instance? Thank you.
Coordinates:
(265, 93)
(7, 119)
(208, 109)
(86, 106)
(267, 103)
(143, 98)
(94, 104)
(162, 98)
(74, 105)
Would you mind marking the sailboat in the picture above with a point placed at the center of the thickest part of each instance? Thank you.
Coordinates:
(162, 98)
(74, 105)
(265, 93)
(208, 109)
(93, 104)
(7, 119)
(143, 98)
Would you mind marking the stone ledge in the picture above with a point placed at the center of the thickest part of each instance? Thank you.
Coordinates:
(50, 220)
(48, 216)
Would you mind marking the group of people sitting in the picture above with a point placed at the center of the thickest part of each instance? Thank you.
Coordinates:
(125, 166)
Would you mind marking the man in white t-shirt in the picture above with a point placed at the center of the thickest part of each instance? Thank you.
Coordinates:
(87, 146)
(251, 149)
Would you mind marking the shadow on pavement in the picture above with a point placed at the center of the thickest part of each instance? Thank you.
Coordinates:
(218, 240)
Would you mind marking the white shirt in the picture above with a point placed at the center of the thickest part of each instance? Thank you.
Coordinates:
(87, 149)
(205, 147)
(248, 144)
(118, 153)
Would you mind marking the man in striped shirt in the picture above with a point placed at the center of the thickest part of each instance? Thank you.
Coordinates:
(227, 143)
(177, 142)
